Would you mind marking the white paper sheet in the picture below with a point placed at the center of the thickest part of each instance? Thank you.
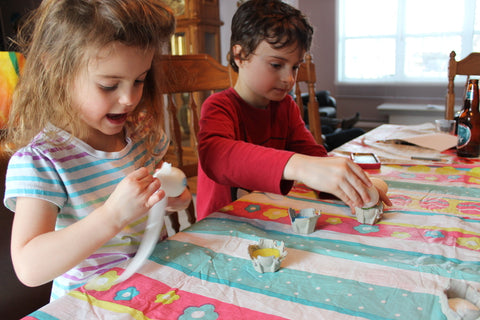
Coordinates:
(436, 141)
(423, 135)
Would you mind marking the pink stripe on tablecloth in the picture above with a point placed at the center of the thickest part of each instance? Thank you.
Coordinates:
(156, 300)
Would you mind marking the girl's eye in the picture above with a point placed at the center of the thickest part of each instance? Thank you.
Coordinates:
(139, 82)
(295, 68)
(107, 88)
(276, 65)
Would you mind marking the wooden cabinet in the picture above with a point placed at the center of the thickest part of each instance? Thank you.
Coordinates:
(198, 27)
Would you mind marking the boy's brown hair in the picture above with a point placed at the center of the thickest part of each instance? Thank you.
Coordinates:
(274, 21)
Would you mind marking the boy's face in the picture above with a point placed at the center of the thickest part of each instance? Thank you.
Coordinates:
(269, 73)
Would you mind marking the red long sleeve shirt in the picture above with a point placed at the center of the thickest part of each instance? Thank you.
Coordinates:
(246, 147)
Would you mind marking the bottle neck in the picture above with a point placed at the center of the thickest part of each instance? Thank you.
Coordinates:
(472, 97)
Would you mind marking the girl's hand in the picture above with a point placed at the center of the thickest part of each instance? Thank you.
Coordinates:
(335, 175)
(134, 196)
(181, 202)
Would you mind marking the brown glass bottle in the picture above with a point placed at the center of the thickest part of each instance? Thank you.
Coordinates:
(468, 128)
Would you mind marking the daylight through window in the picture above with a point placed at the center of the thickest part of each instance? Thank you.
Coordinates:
(404, 41)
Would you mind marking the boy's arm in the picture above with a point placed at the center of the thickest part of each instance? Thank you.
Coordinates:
(233, 162)
(241, 164)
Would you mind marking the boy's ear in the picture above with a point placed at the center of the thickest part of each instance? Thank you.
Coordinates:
(237, 54)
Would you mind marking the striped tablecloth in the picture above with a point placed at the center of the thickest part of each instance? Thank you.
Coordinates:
(403, 267)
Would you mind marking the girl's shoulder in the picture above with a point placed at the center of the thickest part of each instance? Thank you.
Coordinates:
(50, 146)
(162, 145)
(42, 142)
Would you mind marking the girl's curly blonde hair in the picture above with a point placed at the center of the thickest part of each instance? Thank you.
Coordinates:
(58, 40)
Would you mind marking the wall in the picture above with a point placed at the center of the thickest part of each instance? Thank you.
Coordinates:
(227, 10)
(321, 15)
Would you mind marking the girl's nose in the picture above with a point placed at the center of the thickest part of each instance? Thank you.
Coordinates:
(130, 97)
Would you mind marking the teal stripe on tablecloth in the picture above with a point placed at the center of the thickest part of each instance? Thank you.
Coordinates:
(337, 294)
(349, 250)
(40, 315)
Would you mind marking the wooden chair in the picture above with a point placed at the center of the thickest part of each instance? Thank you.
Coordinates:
(196, 76)
(468, 66)
(306, 74)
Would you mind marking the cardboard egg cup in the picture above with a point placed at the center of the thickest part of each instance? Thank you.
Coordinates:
(267, 263)
(464, 299)
(369, 215)
(304, 221)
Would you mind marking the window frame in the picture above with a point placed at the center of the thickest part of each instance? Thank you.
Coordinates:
(467, 33)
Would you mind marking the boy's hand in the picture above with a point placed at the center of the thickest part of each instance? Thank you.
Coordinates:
(384, 198)
(335, 175)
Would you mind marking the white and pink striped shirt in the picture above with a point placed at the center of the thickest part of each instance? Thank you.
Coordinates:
(78, 179)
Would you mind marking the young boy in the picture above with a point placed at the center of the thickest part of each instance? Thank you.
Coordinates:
(252, 136)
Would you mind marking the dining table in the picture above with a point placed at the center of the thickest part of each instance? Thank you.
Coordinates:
(423, 254)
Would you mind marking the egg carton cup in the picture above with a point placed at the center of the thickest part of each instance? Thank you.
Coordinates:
(461, 301)
(271, 263)
(305, 220)
(369, 215)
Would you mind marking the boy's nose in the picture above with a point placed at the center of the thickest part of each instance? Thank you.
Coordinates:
(288, 77)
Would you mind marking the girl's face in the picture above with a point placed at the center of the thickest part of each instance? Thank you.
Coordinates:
(268, 74)
(108, 89)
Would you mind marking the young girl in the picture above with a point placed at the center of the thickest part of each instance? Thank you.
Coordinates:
(88, 134)
(252, 136)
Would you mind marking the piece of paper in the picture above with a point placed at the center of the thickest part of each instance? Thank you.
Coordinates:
(437, 141)
(424, 135)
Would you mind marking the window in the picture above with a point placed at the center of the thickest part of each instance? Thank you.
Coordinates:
(404, 41)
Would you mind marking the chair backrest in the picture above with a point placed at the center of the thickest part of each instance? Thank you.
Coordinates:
(186, 80)
(469, 66)
(306, 74)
